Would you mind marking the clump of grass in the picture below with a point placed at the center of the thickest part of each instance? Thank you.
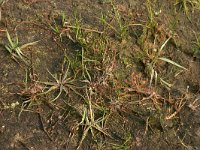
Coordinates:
(61, 83)
(118, 24)
(29, 92)
(151, 14)
(86, 64)
(153, 61)
(151, 24)
(79, 34)
(58, 26)
(149, 41)
(185, 5)
(15, 49)
(121, 30)
(88, 122)
(74, 30)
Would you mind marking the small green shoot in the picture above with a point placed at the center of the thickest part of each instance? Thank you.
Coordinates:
(151, 14)
(196, 48)
(89, 123)
(61, 83)
(55, 27)
(150, 67)
(121, 27)
(58, 29)
(172, 62)
(85, 70)
(14, 49)
(151, 24)
(186, 4)
(30, 93)
(64, 19)
(13, 46)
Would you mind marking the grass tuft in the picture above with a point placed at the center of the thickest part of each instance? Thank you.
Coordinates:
(15, 49)
(61, 83)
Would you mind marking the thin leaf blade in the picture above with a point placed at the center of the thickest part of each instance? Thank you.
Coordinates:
(172, 62)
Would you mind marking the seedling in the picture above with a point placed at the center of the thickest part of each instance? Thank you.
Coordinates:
(80, 36)
(150, 67)
(122, 27)
(185, 4)
(58, 28)
(14, 49)
(64, 19)
(150, 50)
(61, 83)
(120, 30)
(151, 14)
(55, 27)
(30, 93)
(85, 70)
(151, 24)
(89, 123)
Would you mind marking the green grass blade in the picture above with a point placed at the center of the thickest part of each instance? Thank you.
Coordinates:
(166, 83)
(28, 44)
(152, 75)
(8, 48)
(172, 62)
(66, 73)
(164, 44)
(9, 39)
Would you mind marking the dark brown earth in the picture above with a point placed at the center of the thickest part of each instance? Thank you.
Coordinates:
(135, 116)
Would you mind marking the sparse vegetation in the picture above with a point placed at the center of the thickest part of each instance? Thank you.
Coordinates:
(15, 49)
(89, 123)
(112, 75)
(196, 48)
(188, 5)
(63, 83)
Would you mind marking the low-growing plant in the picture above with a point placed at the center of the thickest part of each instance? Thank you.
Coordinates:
(88, 122)
(61, 83)
(30, 92)
(85, 70)
(151, 24)
(185, 5)
(75, 31)
(121, 28)
(15, 49)
(79, 35)
(151, 54)
(153, 62)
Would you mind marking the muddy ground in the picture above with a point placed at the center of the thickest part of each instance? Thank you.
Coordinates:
(106, 101)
